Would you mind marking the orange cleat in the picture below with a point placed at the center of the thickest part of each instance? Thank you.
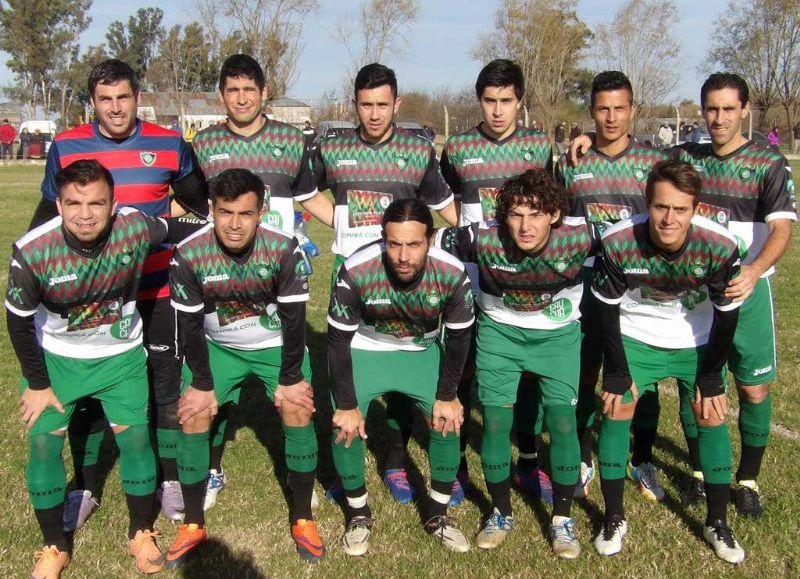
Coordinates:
(306, 537)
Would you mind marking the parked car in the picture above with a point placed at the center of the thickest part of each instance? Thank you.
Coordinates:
(327, 129)
(413, 127)
(699, 135)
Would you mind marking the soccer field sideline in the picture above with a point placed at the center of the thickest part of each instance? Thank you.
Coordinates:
(250, 530)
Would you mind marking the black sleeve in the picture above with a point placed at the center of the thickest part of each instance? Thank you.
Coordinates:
(179, 228)
(293, 330)
(318, 168)
(616, 375)
(22, 333)
(195, 347)
(460, 242)
(449, 174)
(45, 211)
(455, 356)
(709, 376)
(191, 193)
(340, 363)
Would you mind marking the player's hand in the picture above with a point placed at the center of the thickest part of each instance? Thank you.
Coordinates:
(194, 402)
(613, 402)
(300, 394)
(578, 147)
(33, 402)
(712, 404)
(447, 417)
(350, 424)
(740, 287)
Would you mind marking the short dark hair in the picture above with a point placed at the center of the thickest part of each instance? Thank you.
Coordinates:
(241, 66)
(501, 72)
(373, 76)
(233, 183)
(534, 188)
(720, 80)
(411, 209)
(609, 80)
(681, 175)
(111, 71)
(83, 172)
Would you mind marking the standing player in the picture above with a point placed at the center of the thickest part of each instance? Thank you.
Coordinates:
(240, 288)
(661, 282)
(475, 164)
(366, 170)
(144, 160)
(72, 317)
(605, 185)
(276, 153)
(384, 320)
(530, 282)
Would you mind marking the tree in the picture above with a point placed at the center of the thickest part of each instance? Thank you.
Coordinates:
(137, 42)
(546, 38)
(41, 37)
(639, 42)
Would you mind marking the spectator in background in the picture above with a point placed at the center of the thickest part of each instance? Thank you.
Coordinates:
(561, 138)
(774, 139)
(575, 131)
(309, 134)
(430, 133)
(190, 133)
(7, 134)
(534, 125)
(796, 139)
(25, 144)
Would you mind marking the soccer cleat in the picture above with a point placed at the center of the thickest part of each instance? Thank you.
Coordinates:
(396, 480)
(495, 529)
(335, 492)
(355, 541)
(585, 481)
(747, 500)
(720, 537)
(143, 548)
(49, 563)
(535, 481)
(171, 498)
(644, 475)
(695, 493)
(444, 529)
(78, 507)
(306, 538)
(609, 541)
(458, 494)
(562, 537)
(189, 537)
(216, 482)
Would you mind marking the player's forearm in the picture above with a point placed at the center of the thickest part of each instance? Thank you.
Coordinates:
(780, 235)
(22, 333)
(293, 331)
(455, 357)
(720, 340)
(190, 325)
(340, 363)
(321, 208)
(616, 375)
(448, 213)
(191, 193)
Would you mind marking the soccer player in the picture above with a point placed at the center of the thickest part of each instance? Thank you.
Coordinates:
(72, 317)
(383, 327)
(366, 170)
(661, 281)
(276, 153)
(240, 288)
(530, 280)
(475, 164)
(145, 160)
(605, 185)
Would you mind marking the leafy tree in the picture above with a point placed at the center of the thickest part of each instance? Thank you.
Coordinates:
(137, 42)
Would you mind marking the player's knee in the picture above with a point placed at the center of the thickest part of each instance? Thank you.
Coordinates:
(712, 420)
(753, 394)
(294, 415)
(624, 411)
(199, 423)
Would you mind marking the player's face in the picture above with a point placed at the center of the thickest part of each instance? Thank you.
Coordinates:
(612, 113)
(236, 222)
(86, 210)
(671, 211)
(376, 108)
(115, 106)
(242, 99)
(499, 106)
(723, 113)
(406, 248)
(529, 228)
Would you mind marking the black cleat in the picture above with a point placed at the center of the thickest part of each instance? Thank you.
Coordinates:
(748, 503)
(694, 494)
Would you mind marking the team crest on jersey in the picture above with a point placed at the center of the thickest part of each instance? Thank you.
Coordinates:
(745, 174)
(277, 151)
(528, 156)
(263, 271)
(561, 266)
(699, 270)
(126, 259)
(434, 299)
(639, 174)
(401, 161)
(148, 158)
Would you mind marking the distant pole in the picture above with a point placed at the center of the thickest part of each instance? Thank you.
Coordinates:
(677, 124)
(446, 123)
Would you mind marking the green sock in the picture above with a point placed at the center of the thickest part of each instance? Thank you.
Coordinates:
(300, 447)
(349, 462)
(496, 444)
(716, 456)
(193, 457)
(565, 452)
(444, 456)
(754, 421)
(137, 463)
(45, 476)
(613, 448)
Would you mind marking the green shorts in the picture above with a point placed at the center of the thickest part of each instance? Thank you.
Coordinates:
(649, 365)
(753, 357)
(119, 382)
(230, 367)
(414, 374)
(504, 352)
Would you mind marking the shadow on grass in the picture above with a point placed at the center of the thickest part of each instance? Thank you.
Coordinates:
(216, 560)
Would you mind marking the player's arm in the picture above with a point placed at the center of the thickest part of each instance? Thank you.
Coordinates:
(436, 194)
(451, 178)
(172, 229)
(190, 187)
(46, 209)
(579, 146)
(304, 190)
(460, 242)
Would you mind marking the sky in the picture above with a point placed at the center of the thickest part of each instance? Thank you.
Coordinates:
(438, 54)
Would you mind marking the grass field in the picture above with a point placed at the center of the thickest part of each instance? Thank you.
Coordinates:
(249, 526)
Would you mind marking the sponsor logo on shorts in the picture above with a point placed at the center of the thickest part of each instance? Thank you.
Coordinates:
(762, 371)
(62, 279)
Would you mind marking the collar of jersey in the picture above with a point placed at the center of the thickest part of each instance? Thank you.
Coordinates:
(623, 153)
(483, 133)
(135, 133)
(251, 137)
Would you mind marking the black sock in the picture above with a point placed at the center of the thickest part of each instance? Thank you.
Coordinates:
(352, 512)
(750, 463)
(643, 439)
(142, 512)
(398, 440)
(501, 495)
(302, 485)
(528, 445)
(51, 522)
(613, 491)
(562, 499)
(169, 468)
(585, 440)
(194, 496)
(215, 458)
(693, 444)
(717, 496)
(86, 478)
(435, 508)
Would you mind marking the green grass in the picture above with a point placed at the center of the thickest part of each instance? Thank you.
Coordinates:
(249, 527)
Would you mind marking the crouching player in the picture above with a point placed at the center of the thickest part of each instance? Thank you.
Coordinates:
(240, 288)
(660, 280)
(383, 327)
